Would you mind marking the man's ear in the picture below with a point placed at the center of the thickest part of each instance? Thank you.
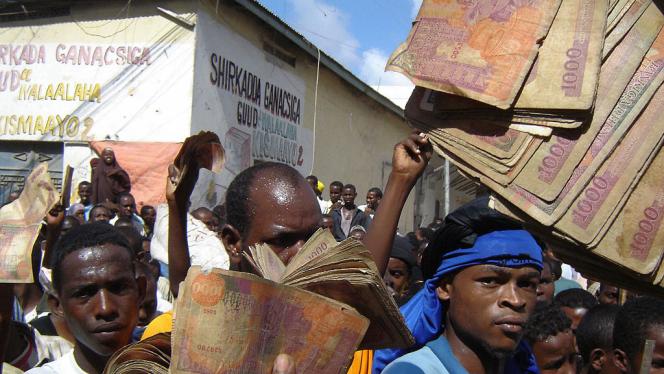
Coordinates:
(54, 304)
(444, 290)
(597, 359)
(232, 241)
(142, 285)
(621, 360)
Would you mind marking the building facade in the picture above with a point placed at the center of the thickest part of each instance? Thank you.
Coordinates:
(141, 76)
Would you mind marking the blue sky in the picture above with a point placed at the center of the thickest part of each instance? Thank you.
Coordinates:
(360, 34)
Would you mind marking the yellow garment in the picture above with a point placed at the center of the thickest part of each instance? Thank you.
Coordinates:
(361, 362)
(163, 323)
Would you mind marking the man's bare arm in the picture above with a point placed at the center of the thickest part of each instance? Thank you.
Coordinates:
(409, 160)
(54, 220)
(178, 248)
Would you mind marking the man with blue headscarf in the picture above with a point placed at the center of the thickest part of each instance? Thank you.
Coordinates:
(482, 273)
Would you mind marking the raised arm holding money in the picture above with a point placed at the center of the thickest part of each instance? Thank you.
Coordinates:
(272, 203)
(271, 222)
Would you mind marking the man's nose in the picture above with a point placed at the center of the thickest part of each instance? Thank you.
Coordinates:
(511, 297)
(106, 308)
(291, 251)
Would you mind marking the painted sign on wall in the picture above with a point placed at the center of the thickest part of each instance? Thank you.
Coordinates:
(256, 106)
(114, 79)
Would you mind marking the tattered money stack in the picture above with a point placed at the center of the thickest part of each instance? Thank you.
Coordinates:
(20, 222)
(557, 107)
(317, 309)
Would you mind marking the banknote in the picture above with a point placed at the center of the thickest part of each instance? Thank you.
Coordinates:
(638, 94)
(492, 138)
(569, 119)
(482, 50)
(618, 31)
(444, 137)
(594, 205)
(537, 130)
(433, 109)
(612, 4)
(238, 323)
(626, 160)
(487, 165)
(470, 167)
(618, 12)
(499, 165)
(497, 172)
(552, 165)
(499, 142)
(603, 262)
(344, 272)
(20, 222)
(635, 238)
(592, 265)
(574, 120)
(16, 252)
(567, 67)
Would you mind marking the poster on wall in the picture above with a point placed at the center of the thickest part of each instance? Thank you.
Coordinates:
(125, 79)
(254, 105)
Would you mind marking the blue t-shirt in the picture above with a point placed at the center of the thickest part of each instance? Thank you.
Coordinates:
(435, 357)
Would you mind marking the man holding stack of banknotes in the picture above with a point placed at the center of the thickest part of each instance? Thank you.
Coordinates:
(555, 105)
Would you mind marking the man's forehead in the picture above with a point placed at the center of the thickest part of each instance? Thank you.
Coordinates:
(296, 216)
(270, 187)
(506, 270)
(560, 343)
(96, 261)
(397, 262)
(102, 252)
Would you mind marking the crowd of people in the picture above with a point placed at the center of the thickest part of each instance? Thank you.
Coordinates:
(479, 293)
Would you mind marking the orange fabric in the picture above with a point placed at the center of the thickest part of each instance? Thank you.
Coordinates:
(361, 362)
(146, 164)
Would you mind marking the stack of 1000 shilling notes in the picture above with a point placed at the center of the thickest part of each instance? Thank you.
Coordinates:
(558, 107)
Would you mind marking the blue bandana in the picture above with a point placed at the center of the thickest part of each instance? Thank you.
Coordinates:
(424, 312)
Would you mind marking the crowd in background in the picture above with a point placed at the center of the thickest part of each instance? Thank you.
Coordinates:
(98, 302)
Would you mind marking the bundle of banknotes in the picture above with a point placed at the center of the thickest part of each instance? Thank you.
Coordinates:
(556, 106)
(20, 222)
(325, 304)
